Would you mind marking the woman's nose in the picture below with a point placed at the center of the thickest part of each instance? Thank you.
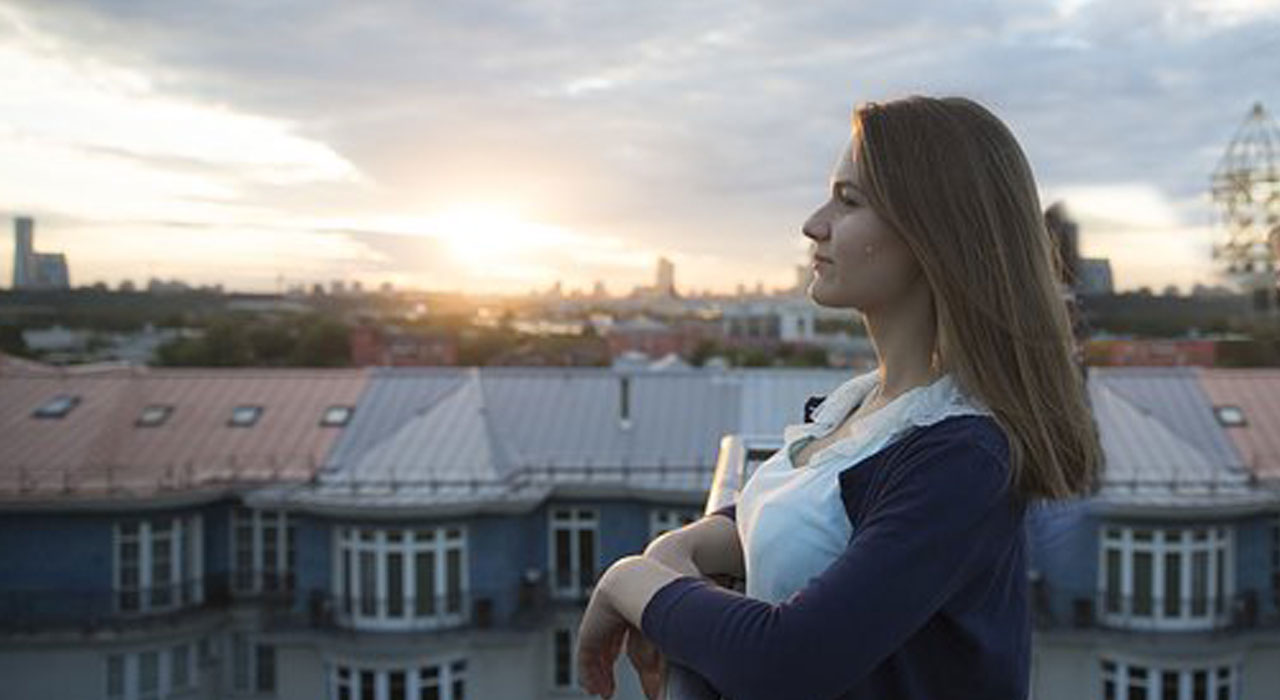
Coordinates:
(816, 226)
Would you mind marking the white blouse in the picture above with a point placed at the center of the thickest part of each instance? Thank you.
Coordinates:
(792, 521)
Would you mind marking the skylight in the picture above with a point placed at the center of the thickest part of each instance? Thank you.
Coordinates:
(1229, 416)
(337, 416)
(244, 416)
(57, 407)
(153, 415)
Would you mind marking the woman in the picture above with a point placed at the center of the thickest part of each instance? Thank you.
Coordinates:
(883, 545)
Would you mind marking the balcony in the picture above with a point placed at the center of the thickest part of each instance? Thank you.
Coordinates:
(91, 610)
(1097, 610)
(524, 605)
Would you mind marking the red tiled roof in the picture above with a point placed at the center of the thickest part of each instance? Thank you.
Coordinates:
(1257, 392)
(97, 449)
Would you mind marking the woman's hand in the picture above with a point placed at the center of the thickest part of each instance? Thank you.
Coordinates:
(650, 664)
(600, 638)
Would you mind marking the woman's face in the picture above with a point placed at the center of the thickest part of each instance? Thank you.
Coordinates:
(846, 274)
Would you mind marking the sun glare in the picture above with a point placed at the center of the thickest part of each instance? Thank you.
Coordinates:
(482, 235)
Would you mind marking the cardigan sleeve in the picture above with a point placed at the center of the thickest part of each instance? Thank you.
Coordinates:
(944, 514)
(730, 511)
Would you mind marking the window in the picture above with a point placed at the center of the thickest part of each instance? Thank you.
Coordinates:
(180, 663)
(393, 578)
(153, 416)
(439, 681)
(57, 407)
(664, 519)
(573, 551)
(1229, 416)
(1170, 578)
(158, 563)
(253, 665)
(150, 674)
(337, 416)
(1126, 680)
(564, 673)
(244, 416)
(264, 550)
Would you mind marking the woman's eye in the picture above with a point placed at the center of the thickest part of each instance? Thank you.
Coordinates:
(844, 193)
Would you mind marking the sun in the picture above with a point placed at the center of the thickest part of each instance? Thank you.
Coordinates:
(479, 235)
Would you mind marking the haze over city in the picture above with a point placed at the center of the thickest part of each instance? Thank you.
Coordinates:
(486, 147)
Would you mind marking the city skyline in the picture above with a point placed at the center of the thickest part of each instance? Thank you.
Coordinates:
(488, 148)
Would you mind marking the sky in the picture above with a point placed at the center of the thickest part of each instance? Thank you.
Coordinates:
(499, 146)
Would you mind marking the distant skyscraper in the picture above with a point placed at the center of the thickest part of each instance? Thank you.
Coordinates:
(32, 270)
(22, 250)
(666, 277)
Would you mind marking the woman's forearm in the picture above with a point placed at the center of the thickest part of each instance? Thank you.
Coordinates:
(631, 582)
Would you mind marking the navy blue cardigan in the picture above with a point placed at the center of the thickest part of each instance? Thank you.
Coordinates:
(928, 600)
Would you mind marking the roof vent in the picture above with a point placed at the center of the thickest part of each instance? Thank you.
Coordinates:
(624, 402)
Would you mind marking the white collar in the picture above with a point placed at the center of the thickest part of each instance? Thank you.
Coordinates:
(920, 405)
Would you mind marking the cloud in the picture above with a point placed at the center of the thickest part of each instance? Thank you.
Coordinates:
(704, 131)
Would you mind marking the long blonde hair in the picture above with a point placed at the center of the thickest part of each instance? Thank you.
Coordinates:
(951, 179)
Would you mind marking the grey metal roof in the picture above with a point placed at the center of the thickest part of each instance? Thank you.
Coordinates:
(444, 435)
(1162, 444)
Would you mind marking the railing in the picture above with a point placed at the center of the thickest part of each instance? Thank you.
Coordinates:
(1099, 610)
(523, 606)
(91, 609)
(735, 463)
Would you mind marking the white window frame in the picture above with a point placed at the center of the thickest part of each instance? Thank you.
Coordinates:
(285, 543)
(1215, 541)
(576, 520)
(566, 632)
(1223, 672)
(663, 520)
(350, 675)
(244, 669)
(131, 673)
(185, 582)
(354, 547)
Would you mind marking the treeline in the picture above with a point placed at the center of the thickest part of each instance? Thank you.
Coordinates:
(311, 340)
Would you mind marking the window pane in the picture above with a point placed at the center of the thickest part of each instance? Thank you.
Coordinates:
(1199, 583)
(367, 688)
(348, 590)
(395, 584)
(1172, 584)
(1200, 685)
(266, 680)
(161, 573)
(425, 582)
(1142, 583)
(244, 553)
(270, 552)
(563, 657)
(1113, 581)
(239, 662)
(587, 557)
(115, 676)
(396, 685)
(148, 673)
(368, 584)
(179, 664)
(453, 579)
(563, 573)
(1169, 685)
(1219, 592)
